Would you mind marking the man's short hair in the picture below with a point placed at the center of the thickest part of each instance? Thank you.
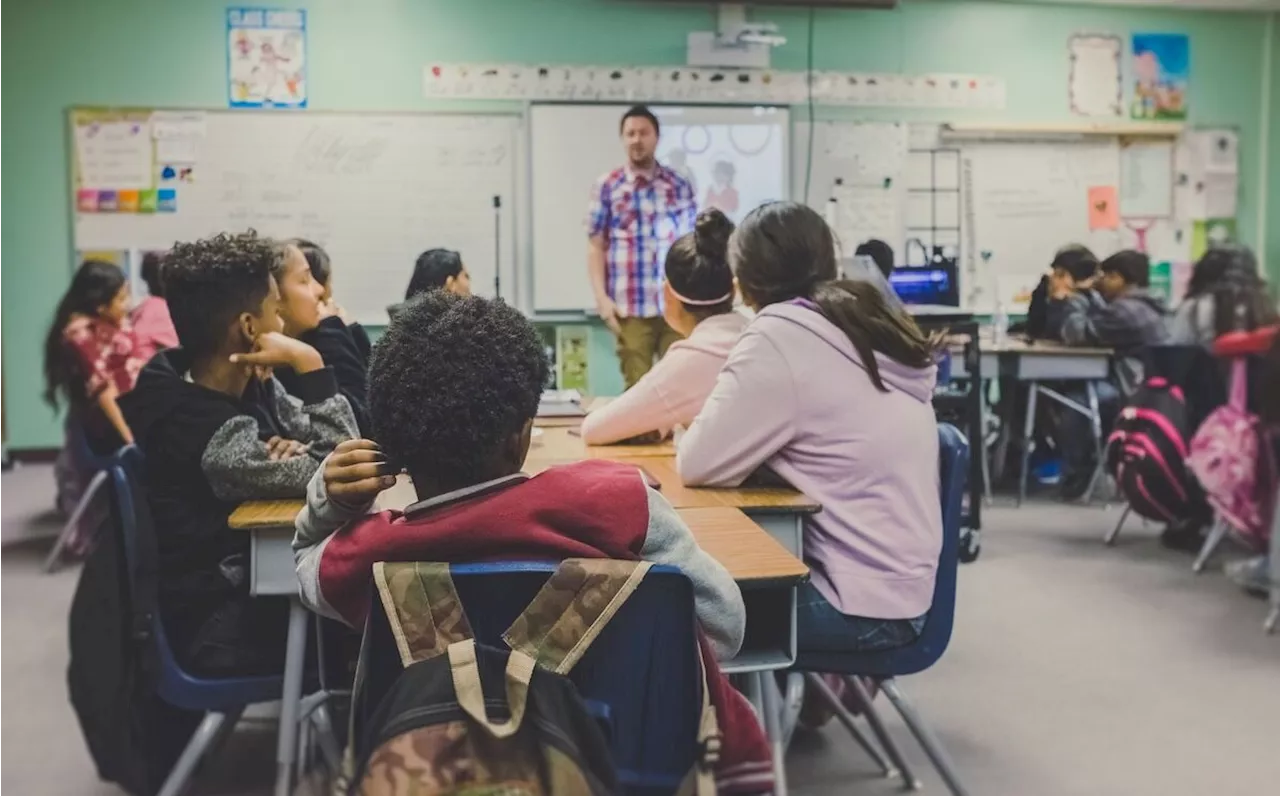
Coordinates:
(643, 112)
(1134, 267)
(1075, 260)
(451, 380)
(209, 282)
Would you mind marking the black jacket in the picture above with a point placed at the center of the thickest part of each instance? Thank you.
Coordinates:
(204, 456)
(346, 350)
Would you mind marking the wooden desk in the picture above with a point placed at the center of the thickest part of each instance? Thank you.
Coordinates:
(563, 444)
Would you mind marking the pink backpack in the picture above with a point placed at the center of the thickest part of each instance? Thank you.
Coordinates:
(1224, 458)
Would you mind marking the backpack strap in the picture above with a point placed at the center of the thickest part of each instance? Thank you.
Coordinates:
(422, 607)
(470, 693)
(571, 609)
(701, 779)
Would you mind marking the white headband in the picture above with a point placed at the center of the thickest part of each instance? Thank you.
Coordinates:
(701, 302)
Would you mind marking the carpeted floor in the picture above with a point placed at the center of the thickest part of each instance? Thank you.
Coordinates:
(1075, 670)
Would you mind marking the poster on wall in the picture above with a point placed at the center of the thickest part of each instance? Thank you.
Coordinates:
(113, 168)
(266, 58)
(1161, 70)
(1095, 87)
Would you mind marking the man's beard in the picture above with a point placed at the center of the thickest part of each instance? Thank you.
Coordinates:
(642, 165)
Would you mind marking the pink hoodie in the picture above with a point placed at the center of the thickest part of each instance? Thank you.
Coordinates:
(794, 395)
(673, 392)
(153, 328)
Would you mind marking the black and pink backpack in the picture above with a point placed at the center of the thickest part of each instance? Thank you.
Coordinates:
(1147, 452)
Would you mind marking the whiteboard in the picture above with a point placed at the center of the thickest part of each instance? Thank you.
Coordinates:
(374, 190)
(1022, 202)
(572, 146)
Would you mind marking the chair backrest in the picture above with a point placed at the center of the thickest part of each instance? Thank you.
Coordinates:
(953, 470)
(173, 684)
(77, 441)
(640, 677)
(1192, 369)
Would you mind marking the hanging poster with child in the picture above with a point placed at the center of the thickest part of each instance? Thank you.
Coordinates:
(267, 58)
(1161, 69)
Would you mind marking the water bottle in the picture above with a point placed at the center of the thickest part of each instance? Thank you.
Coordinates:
(1000, 325)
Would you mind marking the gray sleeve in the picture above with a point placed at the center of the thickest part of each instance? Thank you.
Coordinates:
(1192, 323)
(716, 597)
(1077, 326)
(321, 424)
(238, 467)
(319, 519)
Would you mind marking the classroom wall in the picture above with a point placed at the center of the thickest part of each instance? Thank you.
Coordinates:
(1272, 232)
(369, 55)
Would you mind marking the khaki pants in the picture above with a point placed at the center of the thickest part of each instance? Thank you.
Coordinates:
(640, 341)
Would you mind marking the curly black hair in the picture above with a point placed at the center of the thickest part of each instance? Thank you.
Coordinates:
(208, 283)
(450, 381)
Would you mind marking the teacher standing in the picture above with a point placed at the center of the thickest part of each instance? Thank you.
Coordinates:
(636, 213)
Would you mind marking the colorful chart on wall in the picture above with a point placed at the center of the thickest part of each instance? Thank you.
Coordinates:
(266, 58)
(1161, 71)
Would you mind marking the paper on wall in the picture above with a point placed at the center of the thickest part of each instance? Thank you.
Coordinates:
(177, 124)
(1220, 194)
(114, 155)
(1095, 86)
(177, 150)
(1146, 179)
(865, 153)
(864, 212)
(1104, 209)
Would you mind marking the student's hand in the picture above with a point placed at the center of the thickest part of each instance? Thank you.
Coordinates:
(356, 472)
(1061, 285)
(332, 309)
(281, 449)
(275, 350)
(609, 313)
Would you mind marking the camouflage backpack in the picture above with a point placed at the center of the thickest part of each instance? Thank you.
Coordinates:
(463, 718)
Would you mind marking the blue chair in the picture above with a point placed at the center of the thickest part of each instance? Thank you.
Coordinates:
(222, 700)
(640, 678)
(99, 469)
(886, 665)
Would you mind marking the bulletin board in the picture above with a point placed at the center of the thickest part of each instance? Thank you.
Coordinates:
(374, 190)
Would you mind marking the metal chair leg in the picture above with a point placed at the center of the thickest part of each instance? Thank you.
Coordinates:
(773, 729)
(1095, 427)
(909, 779)
(1028, 439)
(176, 782)
(928, 742)
(1273, 619)
(325, 738)
(792, 702)
(816, 682)
(1110, 538)
(73, 522)
(1211, 542)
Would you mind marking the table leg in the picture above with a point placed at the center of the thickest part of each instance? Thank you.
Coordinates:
(1095, 426)
(1028, 438)
(770, 706)
(291, 698)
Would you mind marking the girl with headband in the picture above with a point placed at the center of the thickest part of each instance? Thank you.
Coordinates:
(698, 303)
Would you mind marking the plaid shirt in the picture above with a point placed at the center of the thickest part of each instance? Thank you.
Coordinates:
(639, 217)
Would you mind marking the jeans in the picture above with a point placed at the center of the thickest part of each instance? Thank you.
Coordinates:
(820, 627)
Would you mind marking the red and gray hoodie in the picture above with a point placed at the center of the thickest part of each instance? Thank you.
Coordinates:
(592, 509)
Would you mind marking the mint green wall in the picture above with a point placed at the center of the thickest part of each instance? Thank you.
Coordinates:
(1272, 231)
(370, 54)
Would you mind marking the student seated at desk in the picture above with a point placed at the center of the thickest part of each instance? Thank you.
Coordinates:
(152, 327)
(699, 306)
(1072, 264)
(454, 387)
(436, 269)
(831, 390)
(1119, 313)
(309, 314)
(1225, 294)
(191, 412)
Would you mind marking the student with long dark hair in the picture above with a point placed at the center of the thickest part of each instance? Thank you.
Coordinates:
(89, 362)
(699, 306)
(1225, 294)
(831, 389)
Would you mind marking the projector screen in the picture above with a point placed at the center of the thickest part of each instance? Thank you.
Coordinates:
(735, 157)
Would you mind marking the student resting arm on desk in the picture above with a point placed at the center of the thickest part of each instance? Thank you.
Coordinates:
(831, 390)
(453, 389)
(698, 303)
(194, 413)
